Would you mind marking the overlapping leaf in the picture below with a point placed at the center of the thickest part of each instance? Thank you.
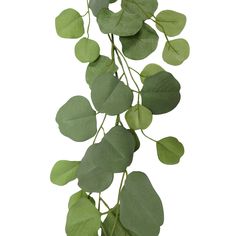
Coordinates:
(150, 70)
(111, 96)
(141, 210)
(93, 178)
(160, 93)
(140, 45)
(75, 198)
(100, 67)
(144, 8)
(138, 117)
(83, 219)
(77, 119)
(97, 5)
(122, 23)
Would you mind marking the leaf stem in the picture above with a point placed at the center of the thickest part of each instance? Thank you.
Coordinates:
(101, 127)
(89, 18)
(104, 231)
(117, 205)
(105, 204)
(148, 136)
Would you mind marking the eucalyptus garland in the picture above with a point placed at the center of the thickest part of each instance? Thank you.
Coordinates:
(116, 92)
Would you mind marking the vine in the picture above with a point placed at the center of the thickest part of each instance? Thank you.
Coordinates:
(138, 210)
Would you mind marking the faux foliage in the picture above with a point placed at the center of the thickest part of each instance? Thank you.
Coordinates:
(134, 97)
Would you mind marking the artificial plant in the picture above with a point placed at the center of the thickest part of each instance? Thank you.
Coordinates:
(116, 92)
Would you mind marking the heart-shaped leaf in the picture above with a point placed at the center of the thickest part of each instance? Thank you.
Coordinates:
(69, 24)
(140, 45)
(144, 8)
(74, 199)
(110, 95)
(122, 23)
(160, 93)
(77, 119)
(170, 22)
(83, 219)
(141, 210)
(169, 150)
(138, 117)
(150, 70)
(99, 67)
(91, 177)
(87, 50)
(176, 52)
(64, 171)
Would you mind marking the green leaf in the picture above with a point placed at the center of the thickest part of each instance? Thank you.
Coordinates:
(110, 221)
(170, 22)
(136, 140)
(77, 119)
(141, 209)
(91, 177)
(117, 150)
(169, 150)
(160, 93)
(64, 171)
(74, 199)
(83, 219)
(144, 8)
(97, 5)
(140, 45)
(150, 70)
(69, 24)
(138, 117)
(122, 23)
(176, 52)
(110, 95)
(87, 50)
(112, 1)
(99, 67)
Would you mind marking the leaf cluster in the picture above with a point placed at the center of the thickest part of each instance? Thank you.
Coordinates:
(138, 210)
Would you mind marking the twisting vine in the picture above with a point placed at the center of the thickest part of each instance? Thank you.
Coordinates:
(138, 210)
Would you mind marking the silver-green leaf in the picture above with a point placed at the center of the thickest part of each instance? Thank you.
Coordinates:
(77, 119)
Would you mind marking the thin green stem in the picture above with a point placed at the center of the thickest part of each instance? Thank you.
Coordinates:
(105, 204)
(89, 18)
(117, 205)
(148, 136)
(112, 48)
(101, 126)
(104, 231)
(99, 201)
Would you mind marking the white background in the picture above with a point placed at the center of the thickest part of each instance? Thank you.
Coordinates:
(39, 73)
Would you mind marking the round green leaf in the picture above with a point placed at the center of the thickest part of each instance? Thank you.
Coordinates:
(77, 119)
(64, 171)
(74, 199)
(136, 140)
(170, 22)
(176, 52)
(97, 5)
(91, 177)
(83, 219)
(169, 150)
(117, 148)
(99, 67)
(87, 50)
(140, 45)
(110, 95)
(160, 93)
(141, 210)
(69, 24)
(138, 117)
(122, 23)
(144, 8)
(150, 70)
